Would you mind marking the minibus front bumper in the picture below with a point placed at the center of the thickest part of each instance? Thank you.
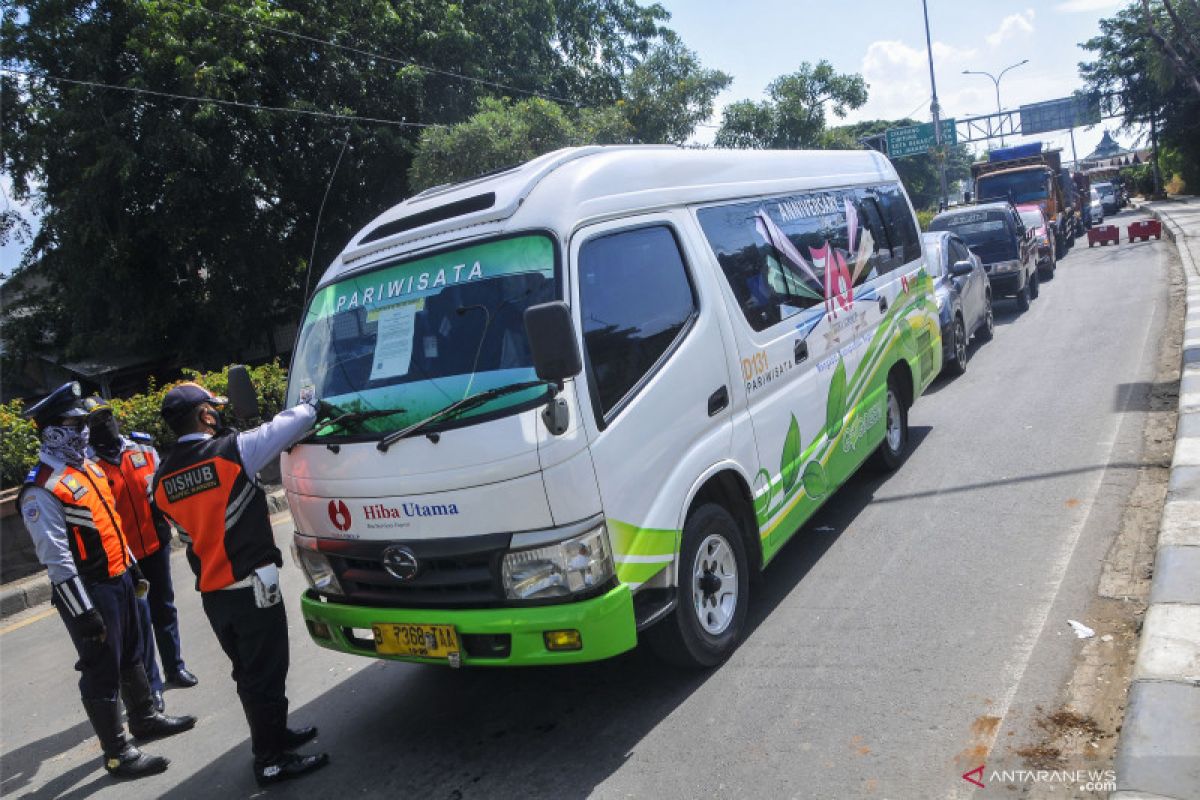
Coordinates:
(501, 637)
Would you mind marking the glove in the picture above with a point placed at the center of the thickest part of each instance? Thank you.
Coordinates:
(90, 625)
(140, 585)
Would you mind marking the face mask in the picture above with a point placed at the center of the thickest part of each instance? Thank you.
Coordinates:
(65, 444)
(105, 436)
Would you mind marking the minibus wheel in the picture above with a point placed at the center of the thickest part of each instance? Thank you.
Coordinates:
(892, 449)
(713, 592)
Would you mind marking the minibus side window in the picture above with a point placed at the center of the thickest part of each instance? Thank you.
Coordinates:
(635, 299)
(775, 251)
(871, 219)
(906, 241)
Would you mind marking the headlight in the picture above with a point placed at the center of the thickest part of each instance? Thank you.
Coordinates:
(561, 569)
(1006, 266)
(315, 566)
(941, 301)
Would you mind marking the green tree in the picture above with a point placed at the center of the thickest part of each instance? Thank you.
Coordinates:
(1129, 63)
(184, 228)
(669, 93)
(794, 114)
(504, 134)
(919, 174)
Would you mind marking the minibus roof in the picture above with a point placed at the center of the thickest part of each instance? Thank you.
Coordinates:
(566, 188)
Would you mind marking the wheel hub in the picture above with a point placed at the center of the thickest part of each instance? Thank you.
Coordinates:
(715, 584)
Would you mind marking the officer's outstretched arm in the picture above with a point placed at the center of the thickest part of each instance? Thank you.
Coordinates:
(260, 446)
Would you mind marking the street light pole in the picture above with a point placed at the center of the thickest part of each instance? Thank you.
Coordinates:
(940, 155)
(996, 80)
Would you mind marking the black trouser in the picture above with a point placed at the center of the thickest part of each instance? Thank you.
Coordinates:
(101, 663)
(160, 602)
(256, 641)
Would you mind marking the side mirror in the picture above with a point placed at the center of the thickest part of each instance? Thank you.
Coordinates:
(961, 268)
(551, 333)
(240, 391)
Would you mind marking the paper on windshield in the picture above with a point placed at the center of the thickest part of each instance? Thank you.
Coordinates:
(394, 340)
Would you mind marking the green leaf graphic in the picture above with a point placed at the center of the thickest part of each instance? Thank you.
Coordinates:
(815, 482)
(789, 464)
(835, 409)
(762, 494)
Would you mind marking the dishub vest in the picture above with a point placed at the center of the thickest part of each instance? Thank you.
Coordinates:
(93, 525)
(130, 480)
(202, 487)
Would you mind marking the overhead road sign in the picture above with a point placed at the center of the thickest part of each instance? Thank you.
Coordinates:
(916, 140)
(1058, 115)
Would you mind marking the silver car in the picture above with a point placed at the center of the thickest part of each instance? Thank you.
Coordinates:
(964, 296)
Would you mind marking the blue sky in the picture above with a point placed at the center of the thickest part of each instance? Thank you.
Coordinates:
(884, 40)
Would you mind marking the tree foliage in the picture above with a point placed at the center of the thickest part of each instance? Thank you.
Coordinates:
(794, 115)
(1153, 86)
(919, 174)
(184, 228)
(504, 134)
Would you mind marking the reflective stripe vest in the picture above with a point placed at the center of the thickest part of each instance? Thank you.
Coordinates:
(203, 489)
(93, 524)
(130, 482)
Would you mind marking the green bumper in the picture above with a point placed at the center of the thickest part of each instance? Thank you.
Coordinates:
(605, 623)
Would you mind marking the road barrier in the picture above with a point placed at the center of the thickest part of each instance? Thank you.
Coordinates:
(1145, 228)
(1104, 234)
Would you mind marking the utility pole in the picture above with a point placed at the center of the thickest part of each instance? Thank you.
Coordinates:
(1158, 187)
(1074, 155)
(939, 150)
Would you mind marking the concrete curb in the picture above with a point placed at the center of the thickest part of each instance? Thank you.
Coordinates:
(1159, 752)
(33, 591)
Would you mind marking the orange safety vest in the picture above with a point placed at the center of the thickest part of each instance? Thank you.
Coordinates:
(93, 524)
(203, 489)
(130, 482)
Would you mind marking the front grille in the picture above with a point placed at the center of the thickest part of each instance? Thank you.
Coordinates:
(461, 572)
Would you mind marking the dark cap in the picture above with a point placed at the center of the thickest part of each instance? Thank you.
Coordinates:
(93, 405)
(62, 402)
(183, 398)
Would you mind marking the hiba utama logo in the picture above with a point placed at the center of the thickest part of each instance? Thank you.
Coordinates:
(339, 515)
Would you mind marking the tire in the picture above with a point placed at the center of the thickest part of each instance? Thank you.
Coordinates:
(894, 447)
(1034, 286)
(987, 328)
(958, 364)
(706, 626)
(1023, 298)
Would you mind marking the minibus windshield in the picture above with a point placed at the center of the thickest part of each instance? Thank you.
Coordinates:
(404, 340)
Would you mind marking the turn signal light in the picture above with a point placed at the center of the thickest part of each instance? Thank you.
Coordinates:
(563, 640)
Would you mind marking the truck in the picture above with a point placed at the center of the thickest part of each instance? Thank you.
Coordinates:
(1029, 173)
(578, 404)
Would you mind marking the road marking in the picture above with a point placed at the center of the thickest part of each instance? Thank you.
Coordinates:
(41, 615)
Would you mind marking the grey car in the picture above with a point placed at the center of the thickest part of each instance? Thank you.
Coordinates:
(964, 296)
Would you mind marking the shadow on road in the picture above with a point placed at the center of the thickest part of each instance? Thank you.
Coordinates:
(19, 766)
(411, 731)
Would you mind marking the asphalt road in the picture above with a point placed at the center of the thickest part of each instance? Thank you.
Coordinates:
(913, 607)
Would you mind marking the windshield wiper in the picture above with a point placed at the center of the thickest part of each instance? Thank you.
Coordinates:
(458, 407)
(354, 416)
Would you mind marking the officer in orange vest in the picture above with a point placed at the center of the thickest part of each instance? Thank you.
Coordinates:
(208, 487)
(129, 464)
(71, 515)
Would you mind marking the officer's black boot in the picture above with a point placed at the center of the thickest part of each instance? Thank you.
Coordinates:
(120, 757)
(144, 721)
(269, 736)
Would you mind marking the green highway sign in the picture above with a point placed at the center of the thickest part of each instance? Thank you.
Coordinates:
(916, 140)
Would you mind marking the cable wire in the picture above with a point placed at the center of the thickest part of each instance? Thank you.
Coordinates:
(372, 54)
(217, 101)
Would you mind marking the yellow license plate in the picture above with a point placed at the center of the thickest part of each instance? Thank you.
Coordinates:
(425, 641)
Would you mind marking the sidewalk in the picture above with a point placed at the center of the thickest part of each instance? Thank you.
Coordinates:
(1159, 753)
(33, 591)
